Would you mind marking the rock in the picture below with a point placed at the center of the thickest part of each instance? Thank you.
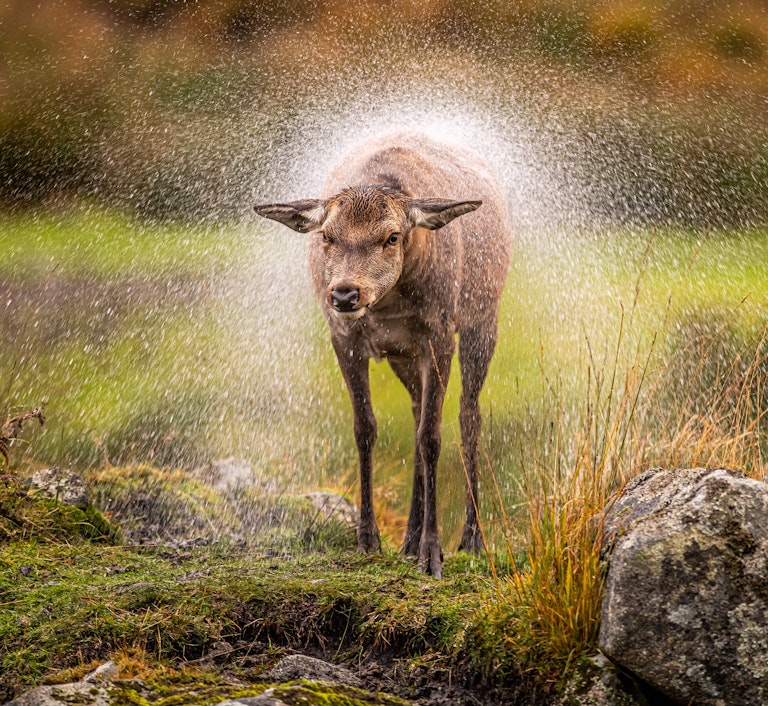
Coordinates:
(219, 652)
(264, 700)
(601, 685)
(686, 603)
(334, 507)
(81, 693)
(91, 691)
(301, 667)
(103, 673)
(65, 486)
(227, 474)
(648, 493)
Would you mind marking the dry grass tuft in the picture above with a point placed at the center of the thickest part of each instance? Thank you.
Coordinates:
(569, 478)
(625, 424)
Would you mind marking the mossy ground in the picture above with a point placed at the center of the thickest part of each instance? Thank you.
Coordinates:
(73, 603)
(26, 517)
(145, 365)
(221, 614)
(200, 689)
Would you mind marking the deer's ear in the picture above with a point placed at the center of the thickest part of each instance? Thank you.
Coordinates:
(302, 216)
(435, 213)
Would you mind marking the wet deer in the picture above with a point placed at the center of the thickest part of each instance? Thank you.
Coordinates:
(402, 258)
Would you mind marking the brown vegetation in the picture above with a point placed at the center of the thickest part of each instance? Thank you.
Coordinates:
(131, 100)
(10, 430)
(709, 45)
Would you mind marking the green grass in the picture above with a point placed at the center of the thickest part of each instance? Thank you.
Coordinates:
(68, 604)
(617, 351)
(90, 241)
(150, 343)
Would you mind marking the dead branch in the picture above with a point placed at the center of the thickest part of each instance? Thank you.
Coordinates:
(10, 430)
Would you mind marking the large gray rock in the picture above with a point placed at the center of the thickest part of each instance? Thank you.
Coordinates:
(686, 604)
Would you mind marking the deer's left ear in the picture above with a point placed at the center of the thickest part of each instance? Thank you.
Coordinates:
(302, 216)
(435, 213)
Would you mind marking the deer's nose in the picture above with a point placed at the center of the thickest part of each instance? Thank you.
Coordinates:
(345, 298)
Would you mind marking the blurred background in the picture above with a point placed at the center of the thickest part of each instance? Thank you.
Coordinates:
(164, 324)
(166, 108)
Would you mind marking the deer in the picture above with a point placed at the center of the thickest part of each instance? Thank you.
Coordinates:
(403, 258)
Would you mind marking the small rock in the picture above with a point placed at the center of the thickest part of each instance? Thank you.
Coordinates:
(65, 486)
(334, 507)
(138, 586)
(219, 652)
(105, 673)
(228, 474)
(296, 667)
(81, 693)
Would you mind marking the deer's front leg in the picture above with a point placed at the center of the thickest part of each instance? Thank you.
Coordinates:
(354, 368)
(436, 370)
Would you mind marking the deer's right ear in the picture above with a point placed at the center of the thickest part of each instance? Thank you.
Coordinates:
(302, 216)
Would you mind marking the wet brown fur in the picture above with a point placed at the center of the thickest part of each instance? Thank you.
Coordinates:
(416, 295)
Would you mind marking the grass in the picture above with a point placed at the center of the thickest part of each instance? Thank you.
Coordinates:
(549, 610)
(618, 352)
(135, 320)
(95, 242)
(69, 602)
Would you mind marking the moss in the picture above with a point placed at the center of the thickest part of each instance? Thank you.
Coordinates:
(178, 687)
(169, 505)
(24, 516)
(188, 693)
(183, 690)
(73, 599)
(306, 693)
(119, 696)
(69, 603)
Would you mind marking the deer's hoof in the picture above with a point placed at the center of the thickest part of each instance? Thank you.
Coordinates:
(368, 542)
(471, 540)
(431, 559)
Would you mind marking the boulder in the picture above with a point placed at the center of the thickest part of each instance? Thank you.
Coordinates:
(65, 486)
(686, 603)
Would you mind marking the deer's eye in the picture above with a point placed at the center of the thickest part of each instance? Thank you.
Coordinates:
(326, 239)
(393, 238)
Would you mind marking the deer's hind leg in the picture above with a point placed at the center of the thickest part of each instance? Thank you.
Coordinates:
(476, 346)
